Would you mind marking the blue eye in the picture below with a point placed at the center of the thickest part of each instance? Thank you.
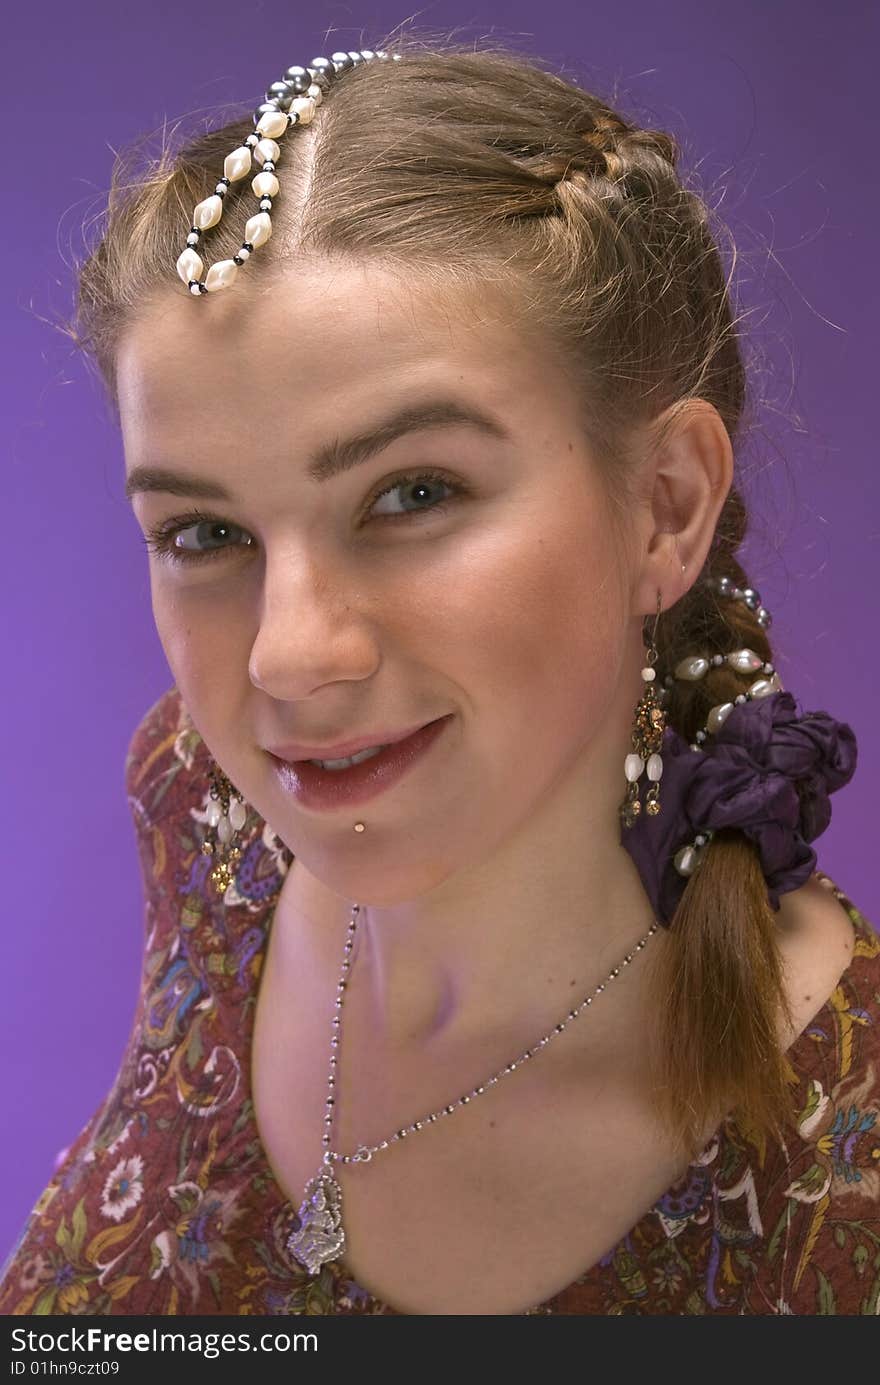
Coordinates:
(417, 481)
(163, 538)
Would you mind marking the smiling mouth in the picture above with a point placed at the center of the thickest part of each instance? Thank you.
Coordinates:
(374, 770)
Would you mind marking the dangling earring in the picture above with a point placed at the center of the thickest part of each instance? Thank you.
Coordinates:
(226, 816)
(649, 723)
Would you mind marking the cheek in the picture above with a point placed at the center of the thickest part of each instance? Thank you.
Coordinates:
(535, 614)
(527, 629)
(201, 647)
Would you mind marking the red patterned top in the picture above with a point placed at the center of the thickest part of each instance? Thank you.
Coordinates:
(165, 1203)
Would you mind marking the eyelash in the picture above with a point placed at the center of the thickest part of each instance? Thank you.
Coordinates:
(160, 539)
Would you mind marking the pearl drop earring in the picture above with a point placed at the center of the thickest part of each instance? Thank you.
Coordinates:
(649, 723)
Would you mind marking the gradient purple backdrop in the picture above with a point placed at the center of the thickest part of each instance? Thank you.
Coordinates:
(768, 101)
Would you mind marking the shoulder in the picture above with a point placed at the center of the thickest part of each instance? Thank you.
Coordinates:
(824, 1189)
(165, 750)
(801, 1213)
(167, 787)
(841, 1041)
(818, 938)
(860, 940)
(168, 783)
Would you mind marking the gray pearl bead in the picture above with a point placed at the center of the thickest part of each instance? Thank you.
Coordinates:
(264, 109)
(685, 860)
(282, 93)
(298, 78)
(341, 61)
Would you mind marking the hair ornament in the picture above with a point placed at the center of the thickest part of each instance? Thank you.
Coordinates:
(292, 100)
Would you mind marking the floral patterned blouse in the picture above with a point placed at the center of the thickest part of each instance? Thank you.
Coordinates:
(165, 1202)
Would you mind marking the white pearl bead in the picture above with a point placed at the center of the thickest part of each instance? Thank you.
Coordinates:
(224, 830)
(272, 123)
(237, 164)
(208, 213)
(258, 229)
(762, 688)
(655, 767)
(745, 660)
(685, 860)
(220, 275)
(304, 107)
(633, 767)
(214, 812)
(649, 674)
(315, 92)
(267, 149)
(266, 185)
(718, 715)
(692, 668)
(189, 266)
(237, 814)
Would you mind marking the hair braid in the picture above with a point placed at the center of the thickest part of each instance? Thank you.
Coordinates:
(717, 1044)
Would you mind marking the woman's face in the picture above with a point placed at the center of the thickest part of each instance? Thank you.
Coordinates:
(488, 584)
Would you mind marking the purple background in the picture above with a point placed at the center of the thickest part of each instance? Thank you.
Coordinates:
(768, 99)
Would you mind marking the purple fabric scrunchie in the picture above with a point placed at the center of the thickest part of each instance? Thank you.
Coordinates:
(745, 780)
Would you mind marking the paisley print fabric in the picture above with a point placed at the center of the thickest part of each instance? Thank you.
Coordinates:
(165, 1202)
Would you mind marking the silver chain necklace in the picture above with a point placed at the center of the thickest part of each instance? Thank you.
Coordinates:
(320, 1236)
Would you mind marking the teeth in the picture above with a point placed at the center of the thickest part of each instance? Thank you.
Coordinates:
(352, 760)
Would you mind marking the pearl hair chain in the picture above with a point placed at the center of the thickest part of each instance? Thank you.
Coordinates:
(692, 668)
(292, 100)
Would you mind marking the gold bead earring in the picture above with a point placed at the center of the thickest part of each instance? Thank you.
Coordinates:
(226, 816)
(649, 723)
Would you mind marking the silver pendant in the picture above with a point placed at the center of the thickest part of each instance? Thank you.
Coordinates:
(320, 1236)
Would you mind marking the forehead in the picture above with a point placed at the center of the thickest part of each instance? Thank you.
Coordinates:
(326, 340)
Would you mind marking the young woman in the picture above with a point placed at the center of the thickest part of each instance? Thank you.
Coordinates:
(532, 999)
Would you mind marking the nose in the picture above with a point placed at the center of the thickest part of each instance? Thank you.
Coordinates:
(310, 633)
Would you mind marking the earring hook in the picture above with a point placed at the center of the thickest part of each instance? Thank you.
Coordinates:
(652, 641)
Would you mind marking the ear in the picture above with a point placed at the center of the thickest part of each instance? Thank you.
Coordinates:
(687, 472)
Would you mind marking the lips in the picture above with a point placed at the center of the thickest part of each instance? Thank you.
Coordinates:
(296, 751)
(314, 787)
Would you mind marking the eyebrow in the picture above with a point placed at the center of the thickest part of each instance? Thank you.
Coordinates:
(333, 457)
